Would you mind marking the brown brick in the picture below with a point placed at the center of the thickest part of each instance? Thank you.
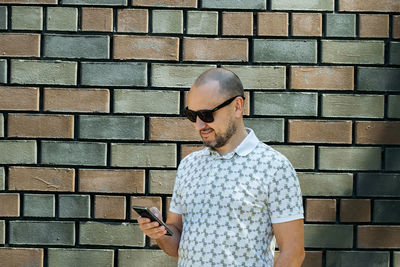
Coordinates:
(19, 45)
(378, 236)
(369, 5)
(133, 20)
(237, 23)
(41, 179)
(110, 207)
(173, 129)
(97, 19)
(301, 131)
(322, 78)
(76, 100)
(307, 24)
(374, 25)
(396, 27)
(320, 210)
(312, 259)
(146, 47)
(378, 132)
(9, 205)
(112, 181)
(165, 3)
(355, 210)
(16, 257)
(146, 202)
(29, 2)
(187, 149)
(215, 49)
(40, 126)
(273, 24)
(19, 98)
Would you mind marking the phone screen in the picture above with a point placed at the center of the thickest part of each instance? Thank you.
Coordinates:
(146, 213)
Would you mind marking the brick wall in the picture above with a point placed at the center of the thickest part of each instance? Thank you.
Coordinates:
(91, 100)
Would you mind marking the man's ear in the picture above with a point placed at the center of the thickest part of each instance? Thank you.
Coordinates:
(239, 107)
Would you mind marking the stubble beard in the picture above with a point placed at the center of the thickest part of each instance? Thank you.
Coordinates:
(221, 139)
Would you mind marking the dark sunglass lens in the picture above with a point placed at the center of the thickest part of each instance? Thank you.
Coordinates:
(191, 115)
(206, 116)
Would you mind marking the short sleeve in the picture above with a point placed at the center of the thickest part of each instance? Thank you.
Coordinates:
(176, 202)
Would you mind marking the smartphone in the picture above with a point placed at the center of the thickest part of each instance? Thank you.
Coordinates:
(146, 213)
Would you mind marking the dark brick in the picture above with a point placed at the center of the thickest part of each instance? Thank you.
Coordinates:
(379, 236)
(378, 185)
(386, 211)
(392, 159)
(378, 79)
(355, 210)
(357, 258)
(328, 236)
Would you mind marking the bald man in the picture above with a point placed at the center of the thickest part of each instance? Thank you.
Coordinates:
(234, 196)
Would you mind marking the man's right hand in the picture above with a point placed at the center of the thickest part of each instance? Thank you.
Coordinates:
(152, 229)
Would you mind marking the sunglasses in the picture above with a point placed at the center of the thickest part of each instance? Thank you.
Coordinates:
(206, 115)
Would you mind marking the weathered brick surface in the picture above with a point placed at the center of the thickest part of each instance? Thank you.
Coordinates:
(110, 207)
(306, 24)
(371, 236)
(165, 3)
(19, 98)
(375, 132)
(267, 130)
(386, 211)
(378, 185)
(2, 177)
(273, 24)
(74, 206)
(13, 257)
(167, 21)
(358, 258)
(301, 157)
(1, 125)
(3, 71)
(97, 19)
(62, 18)
(374, 25)
(19, 45)
(320, 235)
(65, 257)
(98, 2)
(3, 18)
(18, 152)
(9, 205)
(311, 5)
(355, 210)
(26, 18)
(180, 129)
(394, 53)
(39, 205)
(320, 210)
(202, 22)
(2, 232)
(392, 159)
(396, 27)
(146, 202)
(369, 5)
(161, 181)
(237, 23)
(340, 25)
(134, 257)
(326, 184)
(234, 4)
(378, 79)
(133, 20)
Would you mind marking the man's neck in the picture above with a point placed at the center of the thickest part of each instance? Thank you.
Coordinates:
(234, 142)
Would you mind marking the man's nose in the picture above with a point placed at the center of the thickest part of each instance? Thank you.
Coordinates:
(199, 124)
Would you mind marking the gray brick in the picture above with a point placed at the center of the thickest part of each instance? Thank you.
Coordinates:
(1, 125)
(162, 181)
(137, 257)
(267, 130)
(96, 2)
(235, 4)
(143, 155)
(315, 5)
(39, 205)
(111, 234)
(326, 184)
(2, 178)
(340, 25)
(67, 257)
(357, 258)
(146, 101)
(392, 159)
(328, 236)
(74, 206)
(394, 104)
(111, 127)
(378, 79)
(353, 52)
(43, 72)
(396, 261)
(18, 152)
(62, 19)
(378, 185)
(394, 53)
(77, 46)
(285, 51)
(260, 77)
(386, 211)
(301, 157)
(74, 153)
(289, 104)
(350, 158)
(353, 106)
(42, 233)
(167, 21)
(176, 76)
(3, 71)
(27, 18)
(114, 73)
(202, 22)
(3, 18)
(2, 232)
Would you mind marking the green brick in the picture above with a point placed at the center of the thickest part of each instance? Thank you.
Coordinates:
(328, 236)
(2, 178)
(1, 125)
(394, 53)
(36, 205)
(2, 232)
(42, 233)
(350, 158)
(146, 101)
(340, 25)
(357, 258)
(67, 257)
(111, 127)
(18, 152)
(167, 21)
(353, 106)
(312, 5)
(202, 22)
(176, 76)
(267, 130)
(111, 234)
(396, 261)
(260, 77)
(326, 184)
(386, 211)
(394, 104)
(26, 18)
(288, 104)
(62, 19)
(82, 46)
(114, 73)
(3, 71)
(235, 4)
(285, 51)
(44, 72)
(144, 257)
(378, 185)
(3, 18)
(143, 155)
(301, 157)
(74, 206)
(74, 153)
(96, 2)
(162, 181)
(378, 79)
(392, 159)
(353, 52)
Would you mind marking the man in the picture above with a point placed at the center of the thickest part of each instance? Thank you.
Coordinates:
(231, 198)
